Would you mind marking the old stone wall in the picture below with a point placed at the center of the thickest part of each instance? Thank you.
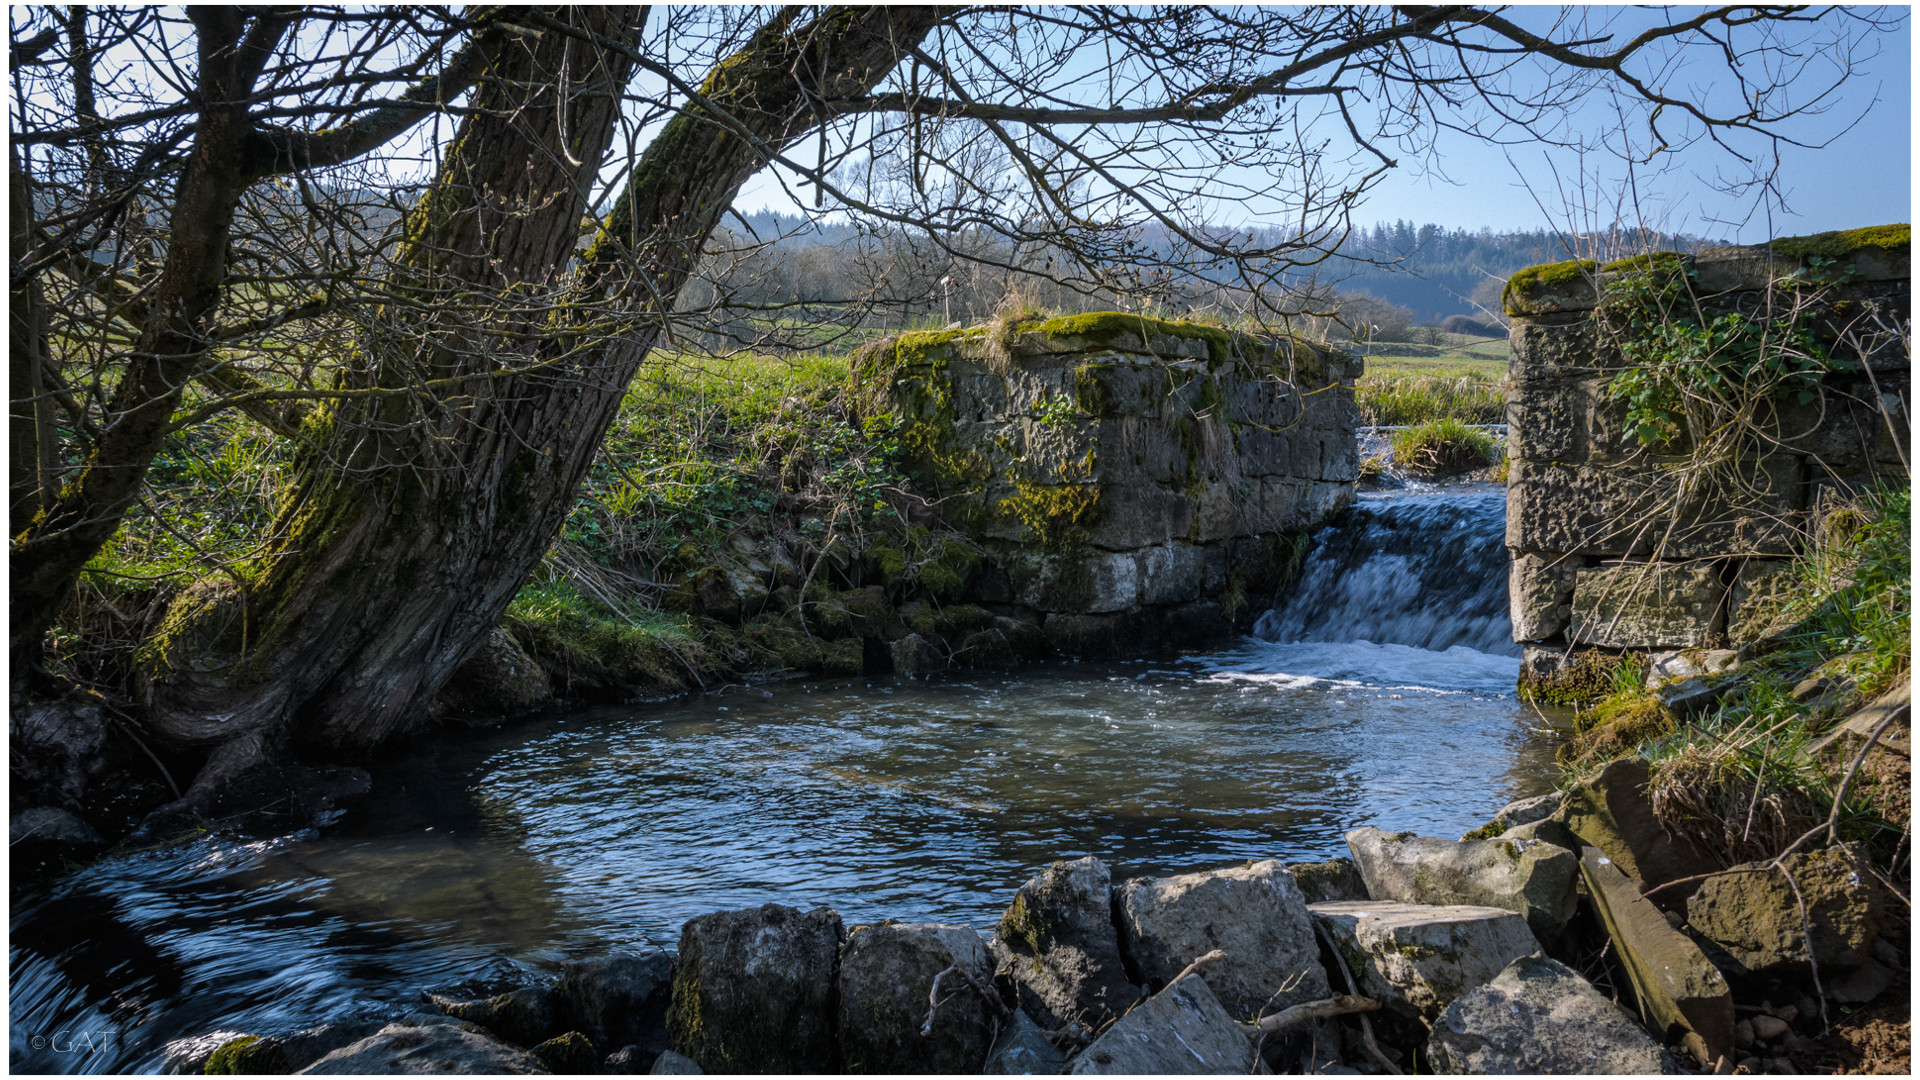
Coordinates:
(1682, 543)
(1133, 482)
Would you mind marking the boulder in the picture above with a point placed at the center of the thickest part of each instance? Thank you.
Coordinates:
(1416, 959)
(425, 1049)
(1751, 911)
(1531, 878)
(1022, 1049)
(50, 825)
(570, 1054)
(1614, 813)
(1180, 1030)
(1682, 996)
(620, 1000)
(753, 990)
(915, 656)
(1335, 879)
(1057, 946)
(916, 998)
(1538, 1016)
(526, 1016)
(500, 679)
(672, 1064)
(1254, 913)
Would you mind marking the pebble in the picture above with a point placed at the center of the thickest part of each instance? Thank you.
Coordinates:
(1743, 1034)
(1789, 1013)
(1748, 1066)
(1781, 1066)
(1768, 1027)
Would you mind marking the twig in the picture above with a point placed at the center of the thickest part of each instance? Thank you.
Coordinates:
(1200, 963)
(1312, 1010)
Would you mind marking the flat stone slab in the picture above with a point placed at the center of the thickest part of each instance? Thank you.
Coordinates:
(1181, 1030)
(1255, 914)
(1683, 997)
(1530, 878)
(1539, 1016)
(425, 1049)
(1416, 959)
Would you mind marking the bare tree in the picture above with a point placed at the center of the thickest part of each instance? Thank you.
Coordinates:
(445, 328)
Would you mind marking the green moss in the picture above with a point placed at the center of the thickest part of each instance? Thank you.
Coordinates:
(1061, 517)
(1017, 927)
(572, 1054)
(248, 1055)
(1550, 275)
(1102, 327)
(1488, 831)
(686, 1024)
(1837, 245)
(1091, 394)
(845, 657)
(890, 563)
(1588, 677)
(1666, 262)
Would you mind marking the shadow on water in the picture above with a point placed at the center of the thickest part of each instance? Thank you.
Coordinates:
(483, 857)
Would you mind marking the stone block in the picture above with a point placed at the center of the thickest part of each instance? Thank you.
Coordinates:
(1647, 606)
(1182, 1030)
(1416, 959)
(1632, 508)
(916, 998)
(1058, 948)
(1091, 582)
(1137, 516)
(1225, 508)
(1267, 402)
(1538, 1016)
(1194, 624)
(1682, 996)
(1752, 912)
(1214, 564)
(1171, 573)
(1559, 287)
(1335, 879)
(1120, 386)
(1053, 452)
(1547, 420)
(1030, 389)
(1255, 914)
(1614, 812)
(1136, 450)
(1533, 880)
(1760, 591)
(753, 990)
(1102, 637)
(1563, 347)
(1540, 593)
(1264, 451)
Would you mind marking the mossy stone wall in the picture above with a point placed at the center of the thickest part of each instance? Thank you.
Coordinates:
(1588, 505)
(1134, 481)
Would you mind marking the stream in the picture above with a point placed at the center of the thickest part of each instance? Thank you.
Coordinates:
(1380, 693)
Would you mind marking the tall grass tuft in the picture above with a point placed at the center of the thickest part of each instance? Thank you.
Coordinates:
(1441, 447)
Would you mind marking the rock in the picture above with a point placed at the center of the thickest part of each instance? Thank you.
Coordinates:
(1532, 879)
(500, 679)
(1254, 913)
(672, 1064)
(1753, 913)
(753, 990)
(620, 999)
(1672, 667)
(1335, 879)
(1679, 992)
(1613, 813)
(1058, 947)
(422, 1049)
(1180, 1030)
(1540, 592)
(916, 657)
(1416, 959)
(1647, 606)
(1695, 695)
(1538, 1016)
(1743, 1034)
(572, 1053)
(51, 825)
(1022, 1049)
(890, 973)
(1855, 730)
(1764, 1027)
(1861, 985)
(1527, 811)
(630, 1061)
(248, 1055)
(526, 1016)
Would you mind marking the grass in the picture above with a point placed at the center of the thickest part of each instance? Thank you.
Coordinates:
(1462, 386)
(1444, 447)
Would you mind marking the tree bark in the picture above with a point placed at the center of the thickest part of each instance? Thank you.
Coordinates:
(404, 542)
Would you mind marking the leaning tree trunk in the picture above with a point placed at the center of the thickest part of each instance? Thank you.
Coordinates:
(407, 537)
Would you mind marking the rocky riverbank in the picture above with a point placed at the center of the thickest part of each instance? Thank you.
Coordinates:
(1569, 936)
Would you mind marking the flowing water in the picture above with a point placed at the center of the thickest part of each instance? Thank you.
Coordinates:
(1380, 694)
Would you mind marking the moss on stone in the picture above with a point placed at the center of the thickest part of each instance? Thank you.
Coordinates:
(1550, 275)
(1061, 517)
(1102, 327)
(1844, 242)
(248, 1055)
(1488, 831)
(572, 1054)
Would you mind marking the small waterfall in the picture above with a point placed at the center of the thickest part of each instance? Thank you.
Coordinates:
(1428, 571)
